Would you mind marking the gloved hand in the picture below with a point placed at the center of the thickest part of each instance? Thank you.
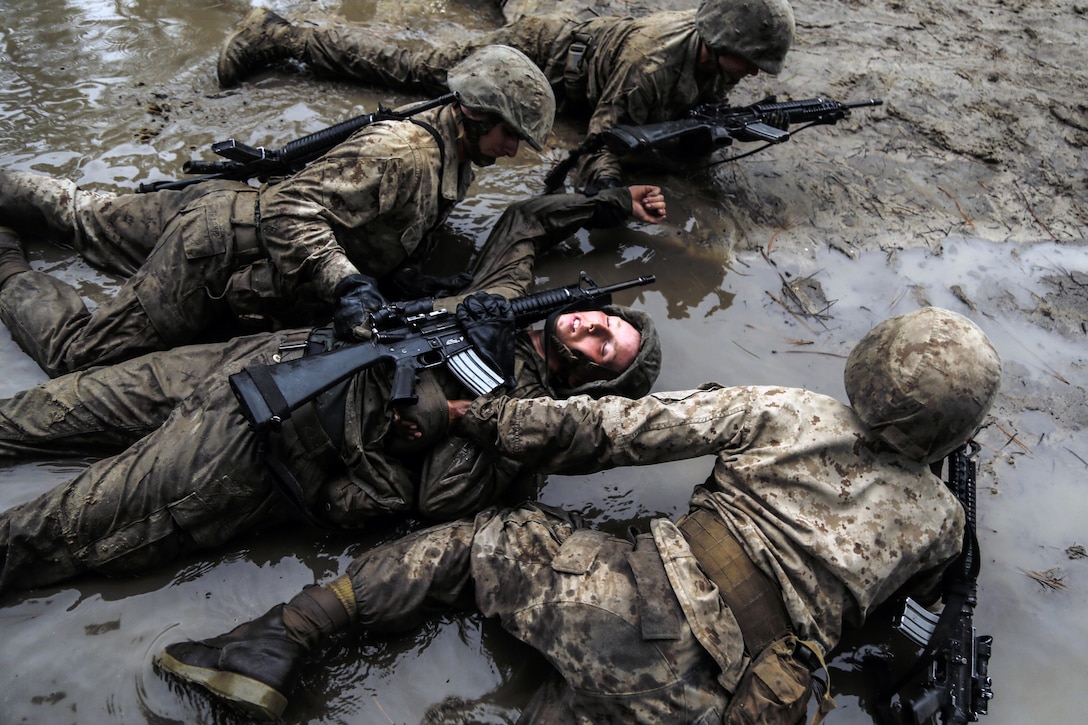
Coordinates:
(410, 284)
(357, 297)
(488, 321)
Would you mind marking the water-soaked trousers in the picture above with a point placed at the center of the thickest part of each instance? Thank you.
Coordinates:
(600, 610)
(179, 249)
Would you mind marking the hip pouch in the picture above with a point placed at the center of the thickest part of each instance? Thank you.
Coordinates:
(776, 687)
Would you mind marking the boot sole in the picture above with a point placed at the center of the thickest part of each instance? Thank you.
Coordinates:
(254, 698)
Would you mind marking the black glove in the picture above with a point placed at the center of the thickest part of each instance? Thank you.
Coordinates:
(411, 284)
(357, 296)
(488, 321)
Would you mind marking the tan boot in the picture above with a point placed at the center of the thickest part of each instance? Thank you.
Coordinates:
(262, 38)
(12, 258)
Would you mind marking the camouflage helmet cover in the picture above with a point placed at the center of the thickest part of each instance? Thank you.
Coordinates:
(502, 80)
(760, 31)
(637, 380)
(924, 381)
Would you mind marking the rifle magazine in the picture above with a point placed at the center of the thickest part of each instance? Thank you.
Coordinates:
(917, 622)
(473, 372)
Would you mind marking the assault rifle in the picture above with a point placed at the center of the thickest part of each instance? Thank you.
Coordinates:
(268, 393)
(957, 685)
(248, 162)
(708, 127)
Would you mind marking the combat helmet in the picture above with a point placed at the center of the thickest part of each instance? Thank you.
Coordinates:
(924, 381)
(760, 31)
(639, 378)
(502, 80)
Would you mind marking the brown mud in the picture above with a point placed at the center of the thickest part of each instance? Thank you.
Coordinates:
(967, 189)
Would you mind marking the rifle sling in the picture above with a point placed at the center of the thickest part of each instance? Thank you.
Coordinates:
(268, 389)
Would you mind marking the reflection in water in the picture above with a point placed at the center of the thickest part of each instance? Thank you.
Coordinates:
(78, 88)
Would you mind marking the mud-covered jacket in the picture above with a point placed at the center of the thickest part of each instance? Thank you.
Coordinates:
(447, 476)
(641, 71)
(838, 520)
(367, 205)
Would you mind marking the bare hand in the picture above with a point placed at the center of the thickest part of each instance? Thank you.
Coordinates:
(458, 408)
(647, 203)
(405, 428)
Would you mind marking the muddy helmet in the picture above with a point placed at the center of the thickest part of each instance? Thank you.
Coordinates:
(501, 80)
(924, 381)
(760, 31)
(637, 380)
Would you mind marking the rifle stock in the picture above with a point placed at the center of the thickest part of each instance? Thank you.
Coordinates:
(267, 394)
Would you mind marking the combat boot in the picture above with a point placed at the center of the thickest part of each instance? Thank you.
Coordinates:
(262, 38)
(12, 258)
(253, 666)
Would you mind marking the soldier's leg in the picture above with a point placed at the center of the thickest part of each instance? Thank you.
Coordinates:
(104, 410)
(390, 588)
(176, 294)
(114, 232)
(362, 53)
(194, 483)
(505, 264)
(603, 613)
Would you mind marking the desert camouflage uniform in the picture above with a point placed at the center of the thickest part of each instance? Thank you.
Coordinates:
(639, 71)
(221, 249)
(838, 520)
(188, 472)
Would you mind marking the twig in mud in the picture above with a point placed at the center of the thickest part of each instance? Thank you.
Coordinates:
(787, 309)
(785, 227)
(1049, 579)
(1074, 454)
(742, 347)
(375, 698)
(958, 207)
(817, 352)
(1032, 212)
(787, 287)
(1013, 439)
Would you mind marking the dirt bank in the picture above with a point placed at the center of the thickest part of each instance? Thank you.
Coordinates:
(982, 132)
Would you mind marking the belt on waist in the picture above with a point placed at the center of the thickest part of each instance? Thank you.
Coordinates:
(753, 597)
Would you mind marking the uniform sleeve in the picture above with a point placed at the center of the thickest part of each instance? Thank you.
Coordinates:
(583, 435)
(505, 264)
(306, 218)
(460, 476)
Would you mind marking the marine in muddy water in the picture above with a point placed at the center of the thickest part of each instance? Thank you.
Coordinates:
(188, 473)
(284, 254)
(615, 70)
(814, 514)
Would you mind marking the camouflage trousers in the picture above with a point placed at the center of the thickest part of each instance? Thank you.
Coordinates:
(600, 610)
(185, 473)
(179, 249)
(362, 54)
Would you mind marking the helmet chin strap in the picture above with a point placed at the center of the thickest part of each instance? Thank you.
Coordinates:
(474, 130)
